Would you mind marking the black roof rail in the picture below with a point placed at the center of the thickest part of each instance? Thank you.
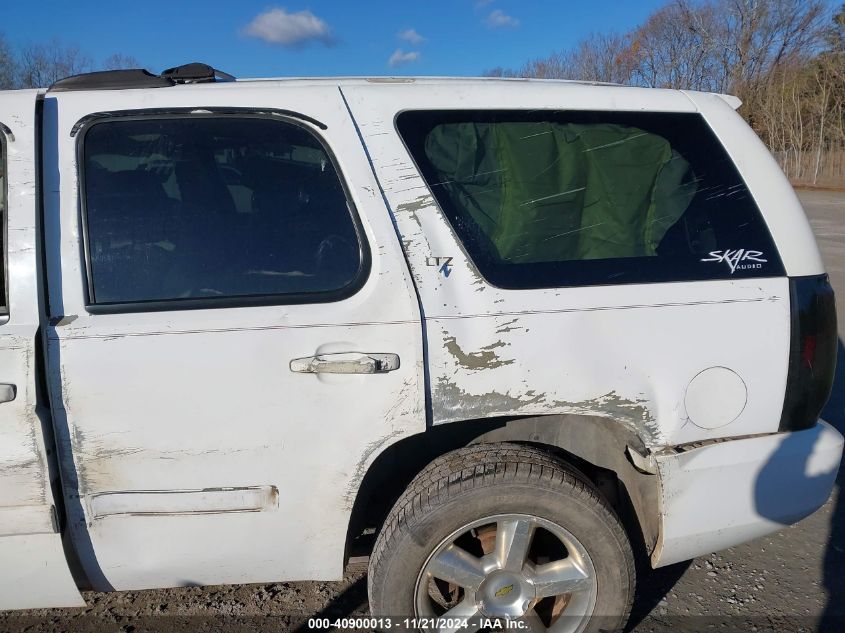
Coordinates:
(140, 78)
(196, 73)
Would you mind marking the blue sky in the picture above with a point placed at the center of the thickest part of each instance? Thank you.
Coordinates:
(321, 37)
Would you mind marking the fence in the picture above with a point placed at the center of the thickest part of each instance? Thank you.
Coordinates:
(825, 168)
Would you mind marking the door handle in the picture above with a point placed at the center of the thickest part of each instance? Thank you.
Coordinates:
(346, 363)
(7, 392)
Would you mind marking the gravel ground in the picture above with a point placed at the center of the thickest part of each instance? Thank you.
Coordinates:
(790, 581)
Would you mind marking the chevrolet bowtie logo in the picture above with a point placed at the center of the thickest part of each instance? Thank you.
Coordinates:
(503, 591)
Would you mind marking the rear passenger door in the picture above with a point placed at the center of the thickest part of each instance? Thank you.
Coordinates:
(235, 336)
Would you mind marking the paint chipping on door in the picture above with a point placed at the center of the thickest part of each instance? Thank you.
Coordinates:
(485, 358)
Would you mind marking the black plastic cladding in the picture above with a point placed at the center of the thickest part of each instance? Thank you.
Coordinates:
(139, 78)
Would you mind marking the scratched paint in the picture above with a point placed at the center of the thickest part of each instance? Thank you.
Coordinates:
(625, 352)
(158, 403)
(31, 553)
(449, 400)
(141, 405)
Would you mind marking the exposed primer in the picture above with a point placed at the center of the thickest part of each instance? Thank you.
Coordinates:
(509, 326)
(449, 399)
(451, 403)
(485, 358)
(417, 204)
(634, 414)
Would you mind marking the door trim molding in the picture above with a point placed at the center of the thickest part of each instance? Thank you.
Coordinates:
(179, 502)
(17, 520)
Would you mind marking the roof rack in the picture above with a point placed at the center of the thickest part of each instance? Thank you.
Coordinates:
(140, 78)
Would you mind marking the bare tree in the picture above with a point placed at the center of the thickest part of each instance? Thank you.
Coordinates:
(673, 48)
(776, 55)
(599, 57)
(555, 66)
(41, 65)
(118, 61)
(811, 139)
(756, 37)
(8, 65)
(608, 58)
(499, 71)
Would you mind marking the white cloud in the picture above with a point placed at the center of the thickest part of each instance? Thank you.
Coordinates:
(499, 19)
(277, 26)
(400, 58)
(411, 35)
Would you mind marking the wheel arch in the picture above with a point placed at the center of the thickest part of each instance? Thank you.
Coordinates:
(597, 446)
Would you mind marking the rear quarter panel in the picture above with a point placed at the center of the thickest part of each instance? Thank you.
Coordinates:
(624, 352)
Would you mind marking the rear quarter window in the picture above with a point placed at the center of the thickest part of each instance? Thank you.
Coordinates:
(551, 199)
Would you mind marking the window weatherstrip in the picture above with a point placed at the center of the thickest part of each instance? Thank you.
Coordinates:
(153, 113)
(5, 138)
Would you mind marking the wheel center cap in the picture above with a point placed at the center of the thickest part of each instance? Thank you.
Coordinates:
(505, 594)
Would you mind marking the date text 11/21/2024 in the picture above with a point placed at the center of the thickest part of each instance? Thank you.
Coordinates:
(415, 624)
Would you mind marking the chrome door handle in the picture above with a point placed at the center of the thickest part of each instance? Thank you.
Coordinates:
(8, 392)
(346, 363)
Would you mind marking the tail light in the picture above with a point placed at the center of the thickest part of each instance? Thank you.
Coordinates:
(812, 352)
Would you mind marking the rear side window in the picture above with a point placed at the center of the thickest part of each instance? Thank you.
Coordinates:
(214, 208)
(548, 199)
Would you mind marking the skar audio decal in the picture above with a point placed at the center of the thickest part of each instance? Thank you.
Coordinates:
(740, 259)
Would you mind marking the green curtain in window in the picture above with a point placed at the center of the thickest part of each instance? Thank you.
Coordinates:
(545, 191)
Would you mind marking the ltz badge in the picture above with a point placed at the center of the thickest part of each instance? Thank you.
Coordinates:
(443, 263)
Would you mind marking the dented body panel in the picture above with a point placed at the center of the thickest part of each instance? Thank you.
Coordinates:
(624, 352)
(230, 444)
(758, 484)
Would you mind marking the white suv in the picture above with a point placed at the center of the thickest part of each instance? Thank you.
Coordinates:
(507, 330)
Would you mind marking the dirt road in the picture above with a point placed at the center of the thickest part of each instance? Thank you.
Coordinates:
(791, 581)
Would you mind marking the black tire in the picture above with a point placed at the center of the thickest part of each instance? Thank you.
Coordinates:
(486, 480)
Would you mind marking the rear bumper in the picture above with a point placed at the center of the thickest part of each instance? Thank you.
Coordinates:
(727, 493)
